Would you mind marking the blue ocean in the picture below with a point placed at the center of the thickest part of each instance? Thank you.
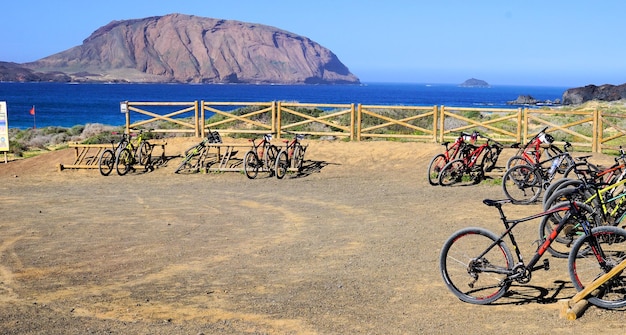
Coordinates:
(67, 105)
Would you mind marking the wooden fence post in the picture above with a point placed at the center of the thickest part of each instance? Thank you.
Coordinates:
(442, 117)
(359, 112)
(435, 119)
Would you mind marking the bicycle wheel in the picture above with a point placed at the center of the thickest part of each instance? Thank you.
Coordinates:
(584, 266)
(270, 158)
(106, 162)
(282, 163)
(434, 167)
(489, 159)
(123, 161)
(189, 163)
(298, 157)
(516, 160)
(452, 173)
(472, 279)
(581, 170)
(143, 154)
(522, 184)
(572, 230)
(251, 164)
(556, 186)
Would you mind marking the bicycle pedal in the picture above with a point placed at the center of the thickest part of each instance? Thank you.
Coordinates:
(546, 264)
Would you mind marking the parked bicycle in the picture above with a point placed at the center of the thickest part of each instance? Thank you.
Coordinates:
(523, 183)
(106, 161)
(452, 152)
(532, 152)
(194, 156)
(130, 154)
(471, 167)
(262, 157)
(290, 156)
(478, 267)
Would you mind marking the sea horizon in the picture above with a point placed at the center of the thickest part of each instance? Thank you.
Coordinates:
(70, 104)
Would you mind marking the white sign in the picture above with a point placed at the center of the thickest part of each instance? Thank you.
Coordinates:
(4, 127)
(124, 107)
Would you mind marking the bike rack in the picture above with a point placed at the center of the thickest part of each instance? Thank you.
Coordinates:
(87, 155)
(574, 307)
(225, 157)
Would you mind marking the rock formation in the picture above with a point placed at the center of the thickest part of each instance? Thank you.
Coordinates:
(191, 49)
(579, 95)
(473, 82)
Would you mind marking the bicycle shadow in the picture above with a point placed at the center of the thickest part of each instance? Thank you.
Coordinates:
(527, 294)
(310, 167)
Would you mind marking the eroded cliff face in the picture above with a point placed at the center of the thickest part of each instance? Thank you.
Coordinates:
(191, 49)
(579, 95)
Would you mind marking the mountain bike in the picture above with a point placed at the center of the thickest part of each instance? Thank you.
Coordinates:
(523, 183)
(106, 161)
(584, 170)
(477, 265)
(138, 153)
(290, 156)
(262, 157)
(473, 166)
(451, 152)
(531, 152)
(193, 159)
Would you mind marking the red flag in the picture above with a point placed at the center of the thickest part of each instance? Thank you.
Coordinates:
(32, 111)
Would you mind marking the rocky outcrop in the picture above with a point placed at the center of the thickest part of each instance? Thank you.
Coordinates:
(473, 82)
(579, 95)
(527, 100)
(191, 49)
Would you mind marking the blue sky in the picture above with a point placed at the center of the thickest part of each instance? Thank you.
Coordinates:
(523, 42)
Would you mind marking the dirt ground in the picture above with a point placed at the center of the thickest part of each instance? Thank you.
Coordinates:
(349, 247)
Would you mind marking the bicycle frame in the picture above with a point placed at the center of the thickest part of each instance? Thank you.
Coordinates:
(524, 276)
(262, 146)
(453, 151)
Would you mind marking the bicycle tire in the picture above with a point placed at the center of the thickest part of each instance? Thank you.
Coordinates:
(457, 263)
(106, 162)
(562, 244)
(522, 184)
(452, 173)
(282, 163)
(516, 160)
(587, 169)
(565, 194)
(269, 159)
(298, 157)
(144, 154)
(434, 168)
(584, 268)
(251, 164)
(189, 163)
(557, 185)
(488, 162)
(123, 161)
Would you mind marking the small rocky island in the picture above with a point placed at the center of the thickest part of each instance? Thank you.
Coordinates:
(473, 82)
(528, 100)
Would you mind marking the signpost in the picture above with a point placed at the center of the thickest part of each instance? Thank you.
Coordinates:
(4, 130)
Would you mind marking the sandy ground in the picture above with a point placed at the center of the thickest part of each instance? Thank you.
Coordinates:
(350, 247)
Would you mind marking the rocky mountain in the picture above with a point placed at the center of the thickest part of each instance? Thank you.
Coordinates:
(579, 95)
(192, 49)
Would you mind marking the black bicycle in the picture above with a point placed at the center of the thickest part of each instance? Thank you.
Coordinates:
(478, 267)
(195, 156)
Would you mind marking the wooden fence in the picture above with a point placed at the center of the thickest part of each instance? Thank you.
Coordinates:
(594, 130)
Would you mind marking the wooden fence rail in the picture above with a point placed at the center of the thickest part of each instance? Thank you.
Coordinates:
(592, 129)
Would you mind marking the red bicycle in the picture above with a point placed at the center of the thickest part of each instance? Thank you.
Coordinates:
(473, 166)
(531, 153)
(458, 149)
